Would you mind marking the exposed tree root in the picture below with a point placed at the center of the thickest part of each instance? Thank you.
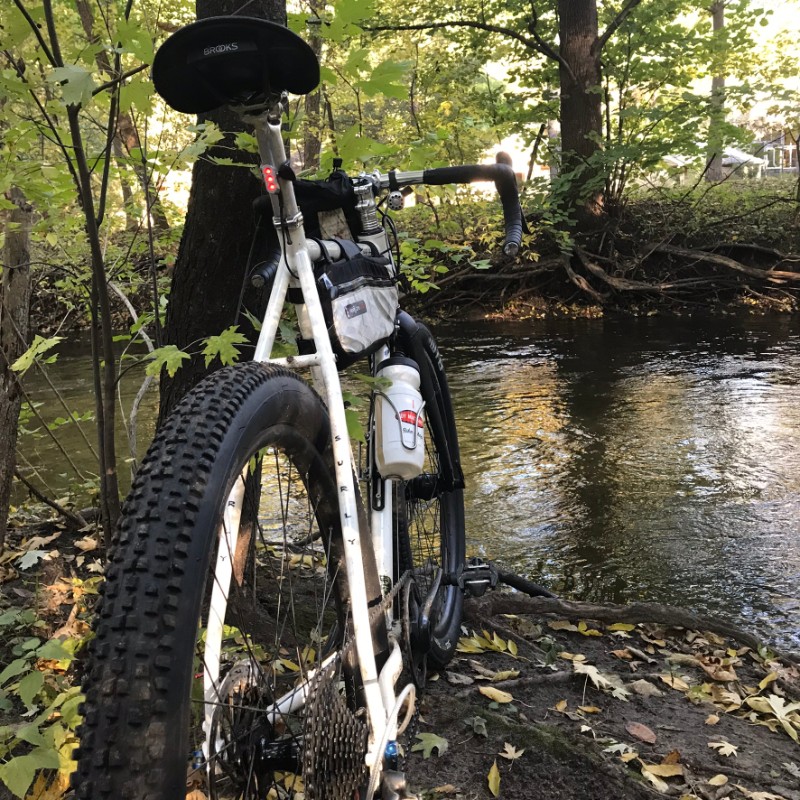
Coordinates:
(489, 606)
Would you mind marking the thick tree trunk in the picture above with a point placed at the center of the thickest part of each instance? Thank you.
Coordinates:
(581, 111)
(14, 307)
(210, 268)
(715, 138)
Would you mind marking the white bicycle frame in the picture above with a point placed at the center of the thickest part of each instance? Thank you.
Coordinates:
(295, 269)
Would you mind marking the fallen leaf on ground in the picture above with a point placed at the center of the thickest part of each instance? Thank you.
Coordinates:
(663, 770)
(493, 779)
(497, 695)
(87, 544)
(641, 732)
(712, 719)
(645, 688)
(561, 625)
(662, 786)
(675, 682)
(427, 742)
(510, 752)
(590, 709)
(625, 655)
(561, 706)
(758, 795)
(724, 748)
(608, 683)
(456, 679)
(620, 626)
(718, 780)
(673, 757)
(448, 788)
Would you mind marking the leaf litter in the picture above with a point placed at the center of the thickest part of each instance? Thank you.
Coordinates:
(671, 686)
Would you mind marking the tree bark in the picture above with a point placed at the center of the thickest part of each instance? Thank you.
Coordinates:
(210, 269)
(714, 172)
(312, 140)
(581, 111)
(14, 308)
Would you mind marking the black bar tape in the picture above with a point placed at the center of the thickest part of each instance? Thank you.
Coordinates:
(506, 183)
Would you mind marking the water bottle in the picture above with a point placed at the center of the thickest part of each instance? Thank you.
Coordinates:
(399, 420)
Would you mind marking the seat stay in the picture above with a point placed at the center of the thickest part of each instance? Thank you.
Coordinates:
(296, 269)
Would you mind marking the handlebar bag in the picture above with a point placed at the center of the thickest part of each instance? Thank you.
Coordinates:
(360, 302)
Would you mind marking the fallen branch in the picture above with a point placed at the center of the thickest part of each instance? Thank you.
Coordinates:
(581, 282)
(73, 517)
(772, 276)
(634, 613)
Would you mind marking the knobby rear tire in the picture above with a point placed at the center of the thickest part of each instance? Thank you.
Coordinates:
(141, 722)
(430, 509)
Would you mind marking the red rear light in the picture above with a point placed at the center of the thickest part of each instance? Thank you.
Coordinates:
(270, 179)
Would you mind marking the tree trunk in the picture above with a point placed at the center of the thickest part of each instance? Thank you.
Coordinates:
(312, 140)
(715, 135)
(581, 111)
(14, 307)
(210, 268)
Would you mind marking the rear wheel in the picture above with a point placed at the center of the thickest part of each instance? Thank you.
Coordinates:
(430, 514)
(222, 658)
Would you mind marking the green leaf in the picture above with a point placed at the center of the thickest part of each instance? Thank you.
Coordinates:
(135, 38)
(30, 686)
(16, 667)
(224, 346)
(69, 711)
(38, 347)
(76, 82)
(168, 357)
(136, 93)
(17, 775)
(55, 650)
(355, 430)
(30, 733)
(427, 742)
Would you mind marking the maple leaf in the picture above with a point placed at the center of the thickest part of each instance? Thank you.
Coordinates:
(510, 752)
(724, 748)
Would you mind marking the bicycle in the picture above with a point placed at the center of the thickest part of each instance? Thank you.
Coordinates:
(256, 615)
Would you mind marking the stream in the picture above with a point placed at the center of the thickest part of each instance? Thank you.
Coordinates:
(618, 459)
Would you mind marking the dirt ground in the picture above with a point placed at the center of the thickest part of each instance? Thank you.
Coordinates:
(602, 711)
(552, 699)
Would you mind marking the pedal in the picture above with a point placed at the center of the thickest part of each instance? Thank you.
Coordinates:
(476, 576)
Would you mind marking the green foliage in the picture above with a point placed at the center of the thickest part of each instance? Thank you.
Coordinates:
(224, 346)
(38, 347)
(168, 357)
(36, 682)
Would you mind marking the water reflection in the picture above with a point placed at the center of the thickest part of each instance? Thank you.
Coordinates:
(638, 459)
(613, 459)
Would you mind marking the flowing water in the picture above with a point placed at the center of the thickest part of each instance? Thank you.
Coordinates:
(617, 459)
